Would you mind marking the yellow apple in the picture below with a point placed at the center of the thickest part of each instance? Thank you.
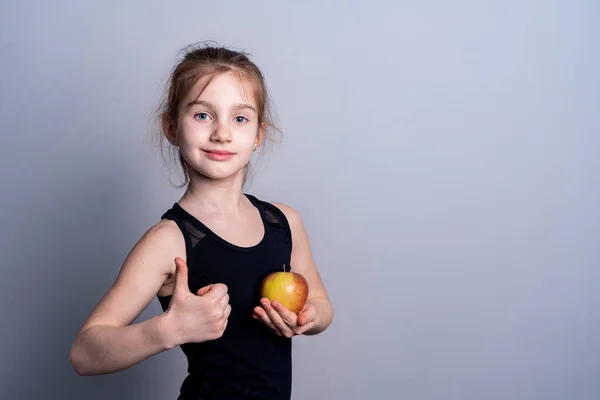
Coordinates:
(288, 288)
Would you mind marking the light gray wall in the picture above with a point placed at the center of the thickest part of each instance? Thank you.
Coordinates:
(444, 155)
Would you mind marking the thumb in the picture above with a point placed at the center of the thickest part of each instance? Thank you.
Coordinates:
(181, 277)
(307, 315)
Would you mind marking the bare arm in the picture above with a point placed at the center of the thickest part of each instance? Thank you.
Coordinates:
(303, 263)
(107, 342)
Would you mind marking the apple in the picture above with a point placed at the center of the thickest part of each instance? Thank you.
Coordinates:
(288, 288)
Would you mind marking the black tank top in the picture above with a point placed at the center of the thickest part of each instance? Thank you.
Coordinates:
(249, 361)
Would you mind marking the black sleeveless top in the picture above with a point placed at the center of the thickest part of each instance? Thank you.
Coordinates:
(249, 361)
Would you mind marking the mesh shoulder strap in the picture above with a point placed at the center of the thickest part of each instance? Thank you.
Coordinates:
(191, 233)
(274, 216)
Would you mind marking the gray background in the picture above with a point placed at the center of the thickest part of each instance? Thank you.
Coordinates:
(444, 155)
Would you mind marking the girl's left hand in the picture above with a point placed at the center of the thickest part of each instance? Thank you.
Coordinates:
(283, 321)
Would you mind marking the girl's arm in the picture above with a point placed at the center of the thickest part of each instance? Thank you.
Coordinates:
(318, 312)
(303, 263)
(107, 342)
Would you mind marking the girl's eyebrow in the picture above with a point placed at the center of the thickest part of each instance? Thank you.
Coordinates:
(236, 107)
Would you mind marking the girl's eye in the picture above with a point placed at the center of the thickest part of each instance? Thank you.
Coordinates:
(240, 120)
(203, 116)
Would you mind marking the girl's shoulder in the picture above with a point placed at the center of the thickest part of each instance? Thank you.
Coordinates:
(288, 216)
(163, 240)
(273, 210)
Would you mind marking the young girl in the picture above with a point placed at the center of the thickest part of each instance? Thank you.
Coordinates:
(207, 256)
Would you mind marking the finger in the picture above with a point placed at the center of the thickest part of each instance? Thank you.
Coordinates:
(276, 318)
(307, 315)
(181, 277)
(224, 302)
(216, 292)
(203, 290)
(261, 315)
(300, 330)
(286, 315)
(227, 311)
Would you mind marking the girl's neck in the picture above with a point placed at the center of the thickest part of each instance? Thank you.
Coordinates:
(214, 196)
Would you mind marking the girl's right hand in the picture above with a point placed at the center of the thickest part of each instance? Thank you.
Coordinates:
(194, 318)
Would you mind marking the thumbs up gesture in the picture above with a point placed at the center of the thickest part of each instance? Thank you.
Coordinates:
(194, 318)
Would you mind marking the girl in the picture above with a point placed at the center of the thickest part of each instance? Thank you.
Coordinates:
(207, 256)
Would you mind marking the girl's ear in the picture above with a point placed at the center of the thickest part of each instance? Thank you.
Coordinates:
(261, 135)
(169, 129)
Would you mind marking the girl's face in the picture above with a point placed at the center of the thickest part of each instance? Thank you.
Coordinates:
(219, 129)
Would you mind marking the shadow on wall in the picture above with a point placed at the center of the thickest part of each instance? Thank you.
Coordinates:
(68, 243)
